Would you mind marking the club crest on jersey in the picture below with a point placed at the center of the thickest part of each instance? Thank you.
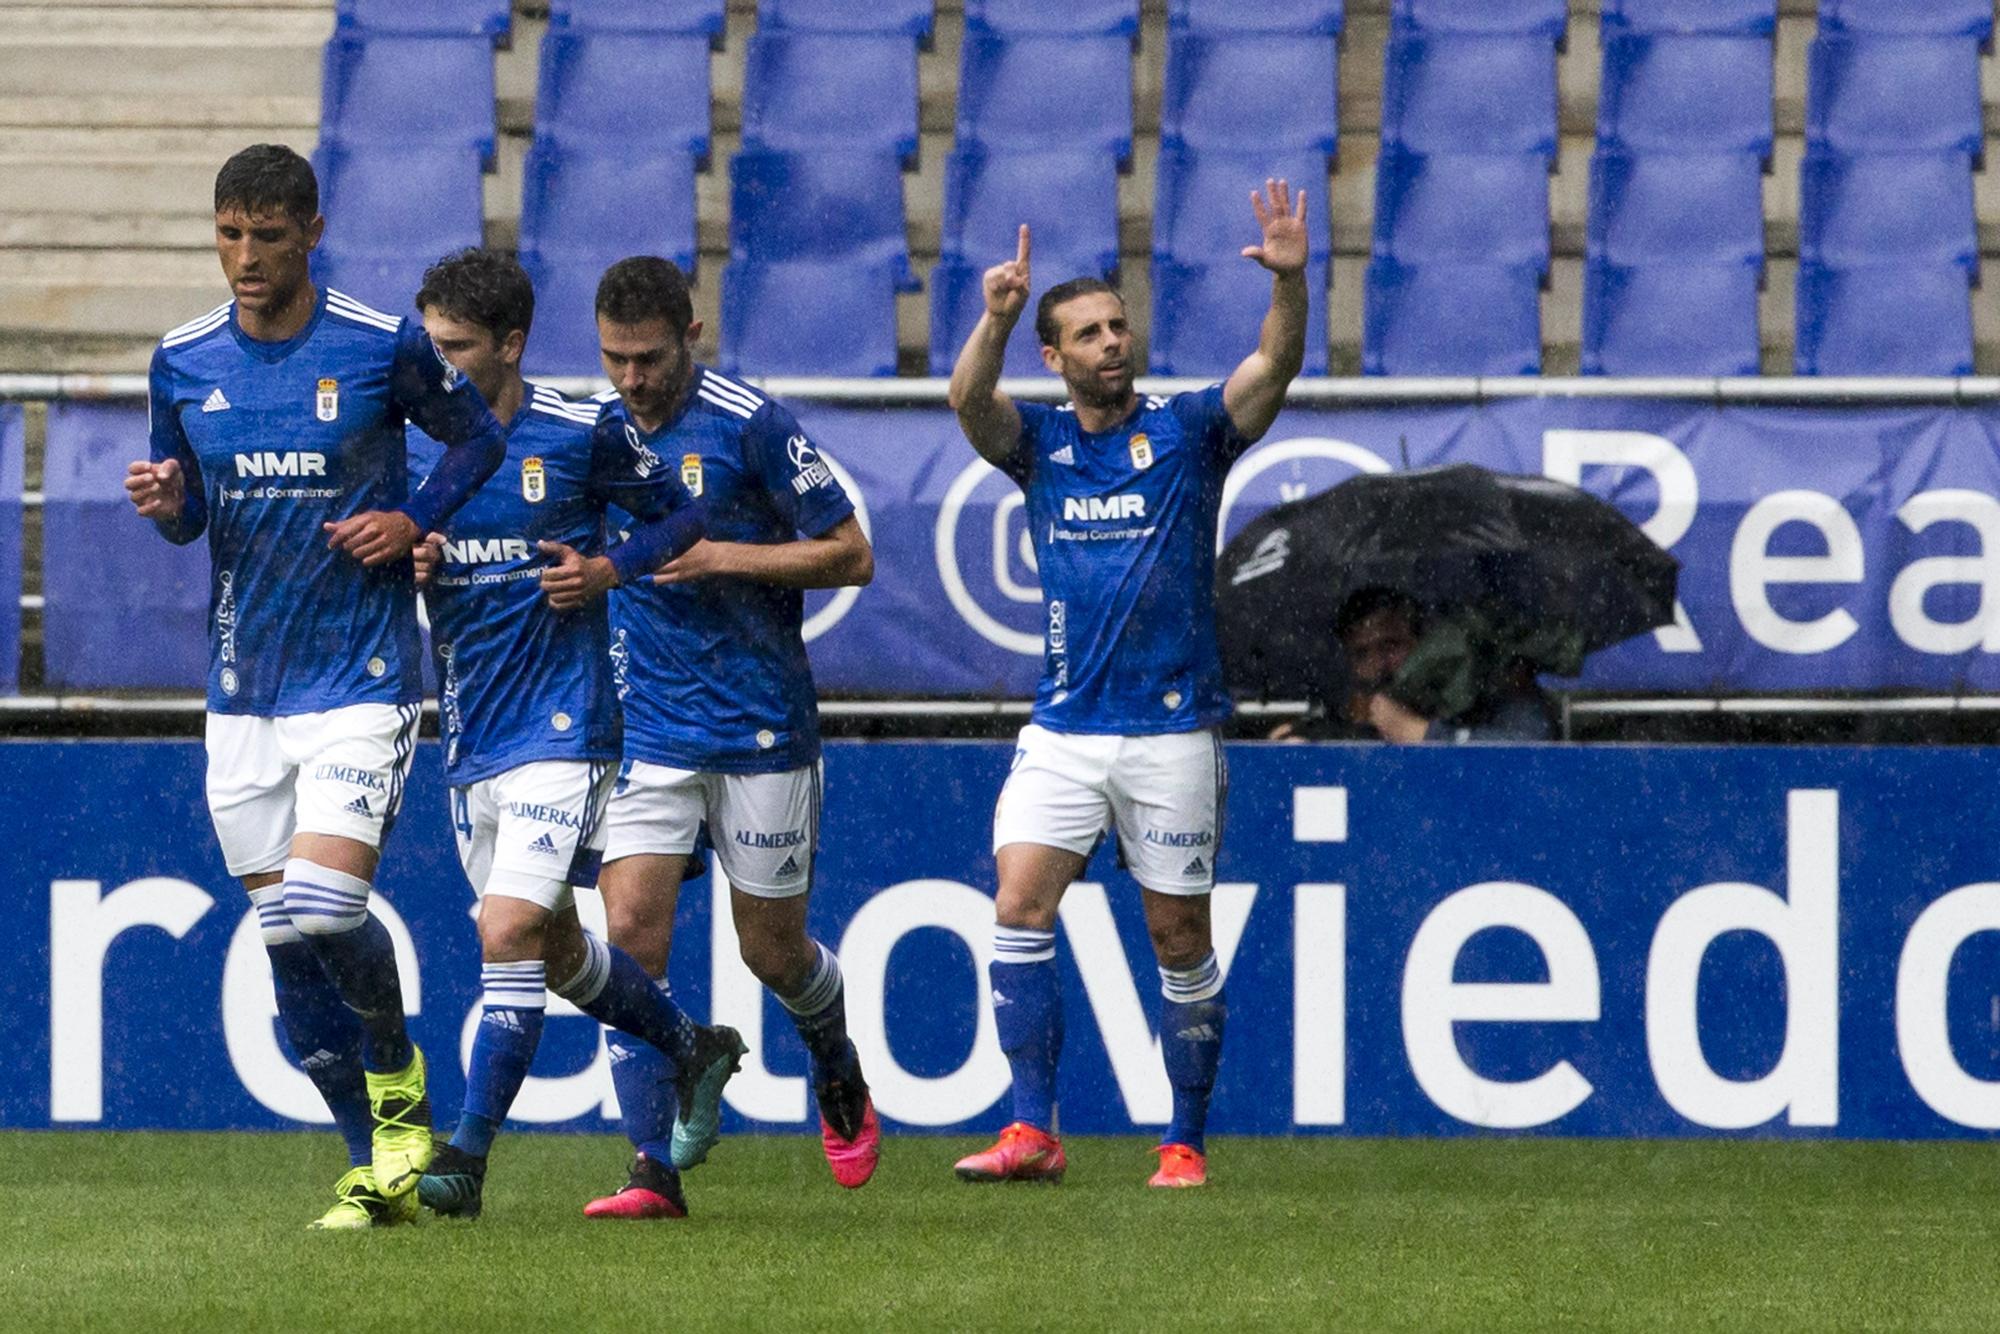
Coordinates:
(327, 405)
(534, 481)
(1142, 451)
(691, 473)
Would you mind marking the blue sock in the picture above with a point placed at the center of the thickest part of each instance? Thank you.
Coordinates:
(324, 1033)
(1027, 1011)
(646, 1097)
(1191, 1024)
(510, 1028)
(330, 909)
(615, 990)
(819, 1012)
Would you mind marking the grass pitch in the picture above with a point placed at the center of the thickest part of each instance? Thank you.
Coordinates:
(139, 1232)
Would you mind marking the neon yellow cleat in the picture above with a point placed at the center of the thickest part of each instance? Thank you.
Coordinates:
(402, 1139)
(357, 1204)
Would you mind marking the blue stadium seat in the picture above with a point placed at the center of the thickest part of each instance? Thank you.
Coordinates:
(601, 198)
(811, 90)
(1202, 212)
(818, 206)
(1220, 18)
(1670, 319)
(957, 300)
(907, 18)
(1206, 317)
(625, 88)
(400, 90)
(1462, 208)
(13, 473)
(1894, 95)
(1074, 18)
(1451, 319)
(1685, 208)
(1456, 94)
(1068, 200)
(809, 318)
(1697, 94)
(1547, 18)
(391, 213)
(1255, 92)
(105, 572)
(1752, 17)
(485, 18)
(564, 339)
(1910, 18)
(1884, 319)
(656, 16)
(1909, 208)
(1071, 93)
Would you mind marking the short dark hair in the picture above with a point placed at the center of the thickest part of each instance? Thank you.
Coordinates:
(482, 287)
(645, 287)
(1047, 327)
(1365, 602)
(268, 178)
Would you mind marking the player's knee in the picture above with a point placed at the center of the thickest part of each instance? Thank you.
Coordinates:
(509, 937)
(1180, 942)
(1024, 910)
(637, 927)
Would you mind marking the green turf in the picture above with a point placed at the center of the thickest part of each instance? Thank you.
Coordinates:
(143, 1232)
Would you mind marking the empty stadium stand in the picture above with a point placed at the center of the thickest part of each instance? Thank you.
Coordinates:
(708, 17)
(807, 91)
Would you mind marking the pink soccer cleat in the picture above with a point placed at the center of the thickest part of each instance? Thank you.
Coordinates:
(1023, 1153)
(652, 1191)
(850, 1132)
(1180, 1167)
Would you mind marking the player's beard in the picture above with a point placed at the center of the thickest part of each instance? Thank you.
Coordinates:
(1094, 391)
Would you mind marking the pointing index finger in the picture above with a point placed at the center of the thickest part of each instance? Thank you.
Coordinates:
(1021, 256)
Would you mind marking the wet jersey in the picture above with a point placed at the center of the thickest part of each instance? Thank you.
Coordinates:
(275, 440)
(1123, 523)
(713, 672)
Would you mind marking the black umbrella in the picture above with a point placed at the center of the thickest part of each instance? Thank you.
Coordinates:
(1531, 552)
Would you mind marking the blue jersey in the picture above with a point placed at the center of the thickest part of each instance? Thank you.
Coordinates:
(519, 681)
(1124, 532)
(275, 440)
(713, 672)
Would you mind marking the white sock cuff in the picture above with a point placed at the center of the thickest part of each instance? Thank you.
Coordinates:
(322, 901)
(274, 923)
(1186, 986)
(822, 986)
(521, 985)
(1020, 944)
(588, 982)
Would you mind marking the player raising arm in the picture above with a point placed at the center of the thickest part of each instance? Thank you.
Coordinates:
(1123, 493)
(277, 430)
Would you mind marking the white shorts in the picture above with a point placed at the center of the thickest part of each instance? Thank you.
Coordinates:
(1163, 794)
(532, 832)
(340, 772)
(764, 828)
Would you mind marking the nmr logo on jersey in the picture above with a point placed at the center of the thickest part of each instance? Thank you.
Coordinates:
(1086, 508)
(482, 551)
(281, 463)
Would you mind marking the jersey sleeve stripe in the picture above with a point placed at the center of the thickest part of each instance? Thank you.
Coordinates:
(338, 303)
(563, 414)
(727, 405)
(194, 329)
(730, 389)
(556, 405)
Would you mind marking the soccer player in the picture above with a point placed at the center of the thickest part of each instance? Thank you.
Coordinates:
(721, 720)
(277, 429)
(515, 586)
(1123, 493)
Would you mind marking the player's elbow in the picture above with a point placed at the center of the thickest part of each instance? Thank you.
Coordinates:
(860, 565)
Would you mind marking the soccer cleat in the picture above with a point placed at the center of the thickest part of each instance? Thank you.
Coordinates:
(718, 1054)
(1022, 1153)
(1180, 1166)
(454, 1185)
(402, 1139)
(357, 1204)
(849, 1130)
(652, 1191)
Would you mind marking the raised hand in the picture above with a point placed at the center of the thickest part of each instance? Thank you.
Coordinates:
(1006, 285)
(1285, 244)
(374, 538)
(156, 490)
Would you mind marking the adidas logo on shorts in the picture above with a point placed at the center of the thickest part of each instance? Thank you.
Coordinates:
(546, 843)
(1195, 867)
(791, 866)
(359, 806)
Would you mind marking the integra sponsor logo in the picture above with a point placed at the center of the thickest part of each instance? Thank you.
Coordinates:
(1086, 508)
(276, 463)
(1198, 838)
(784, 838)
(480, 551)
